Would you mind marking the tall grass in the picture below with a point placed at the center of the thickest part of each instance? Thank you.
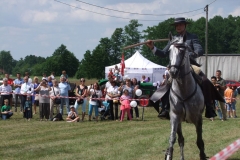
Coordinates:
(106, 140)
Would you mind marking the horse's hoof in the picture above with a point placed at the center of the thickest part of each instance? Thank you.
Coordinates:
(203, 157)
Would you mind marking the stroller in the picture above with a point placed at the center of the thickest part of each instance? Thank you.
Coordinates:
(103, 109)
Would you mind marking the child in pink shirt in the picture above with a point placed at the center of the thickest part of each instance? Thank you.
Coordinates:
(125, 105)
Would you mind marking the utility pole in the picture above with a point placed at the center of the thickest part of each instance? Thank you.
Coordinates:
(206, 40)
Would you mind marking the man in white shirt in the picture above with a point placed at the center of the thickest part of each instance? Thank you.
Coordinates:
(29, 78)
(5, 90)
(26, 89)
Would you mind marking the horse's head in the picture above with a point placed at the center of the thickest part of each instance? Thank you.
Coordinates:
(177, 52)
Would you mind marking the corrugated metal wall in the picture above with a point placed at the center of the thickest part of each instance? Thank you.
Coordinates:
(229, 65)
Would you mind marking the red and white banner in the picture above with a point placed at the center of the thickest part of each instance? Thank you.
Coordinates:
(228, 151)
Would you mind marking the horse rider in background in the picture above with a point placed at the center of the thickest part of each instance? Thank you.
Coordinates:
(194, 50)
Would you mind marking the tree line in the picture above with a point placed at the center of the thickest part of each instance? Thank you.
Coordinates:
(223, 38)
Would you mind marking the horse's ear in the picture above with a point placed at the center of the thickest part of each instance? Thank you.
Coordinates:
(184, 37)
(170, 36)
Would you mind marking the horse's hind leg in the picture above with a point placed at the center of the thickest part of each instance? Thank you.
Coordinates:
(180, 140)
(200, 142)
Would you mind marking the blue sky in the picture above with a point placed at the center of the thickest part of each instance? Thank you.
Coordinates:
(38, 27)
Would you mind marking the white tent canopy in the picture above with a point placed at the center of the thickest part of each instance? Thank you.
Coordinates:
(137, 65)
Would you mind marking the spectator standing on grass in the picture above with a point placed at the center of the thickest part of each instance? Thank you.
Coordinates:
(125, 105)
(64, 74)
(28, 109)
(6, 91)
(235, 93)
(81, 93)
(214, 81)
(228, 94)
(64, 89)
(10, 82)
(221, 84)
(17, 84)
(164, 81)
(54, 93)
(44, 76)
(135, 87)
(166, 73)
(6, 110)
(49, 79)
(44, 100)
(52, 75)
(35, 97)
(26, 89)
(130, 89)
(29, 78)
(94, 90)
(111, 93)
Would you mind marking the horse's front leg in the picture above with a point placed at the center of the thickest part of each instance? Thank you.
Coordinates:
(172, 139)
(180, 140)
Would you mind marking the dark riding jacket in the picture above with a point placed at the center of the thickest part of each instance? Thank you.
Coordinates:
(191, 40)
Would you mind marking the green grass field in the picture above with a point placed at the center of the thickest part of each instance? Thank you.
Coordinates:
(108, 140)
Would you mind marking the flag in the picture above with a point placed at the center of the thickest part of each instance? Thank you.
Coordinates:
(122, 65)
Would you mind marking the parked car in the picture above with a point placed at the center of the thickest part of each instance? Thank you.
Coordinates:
(235, 83)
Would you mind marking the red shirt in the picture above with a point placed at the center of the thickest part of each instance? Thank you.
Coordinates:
(10, 81)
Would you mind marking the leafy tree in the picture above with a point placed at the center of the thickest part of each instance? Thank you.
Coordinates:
(215, 35)
(84, 69)
(161, 31)
(62, 59)
(198, 27)
(28, 64)
(6, 62)
(117, 42)
(132, 36)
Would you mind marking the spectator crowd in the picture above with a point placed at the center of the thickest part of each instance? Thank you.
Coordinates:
(51, 96)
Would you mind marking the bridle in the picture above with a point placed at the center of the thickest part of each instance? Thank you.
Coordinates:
(179, 46)
(182, 49)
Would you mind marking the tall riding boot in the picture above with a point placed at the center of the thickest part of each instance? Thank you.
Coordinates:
(155, 105)
(165, 106)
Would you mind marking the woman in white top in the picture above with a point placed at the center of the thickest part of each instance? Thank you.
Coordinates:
(94, 92)
(44, 100)
(54, 93)
(112, 93)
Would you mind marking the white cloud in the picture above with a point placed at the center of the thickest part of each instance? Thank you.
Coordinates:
(43, 25)
(39, 16)
(236, 12)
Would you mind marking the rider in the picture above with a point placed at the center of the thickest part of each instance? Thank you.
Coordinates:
(209, 92)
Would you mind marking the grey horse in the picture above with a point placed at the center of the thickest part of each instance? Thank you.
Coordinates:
(186, 97)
